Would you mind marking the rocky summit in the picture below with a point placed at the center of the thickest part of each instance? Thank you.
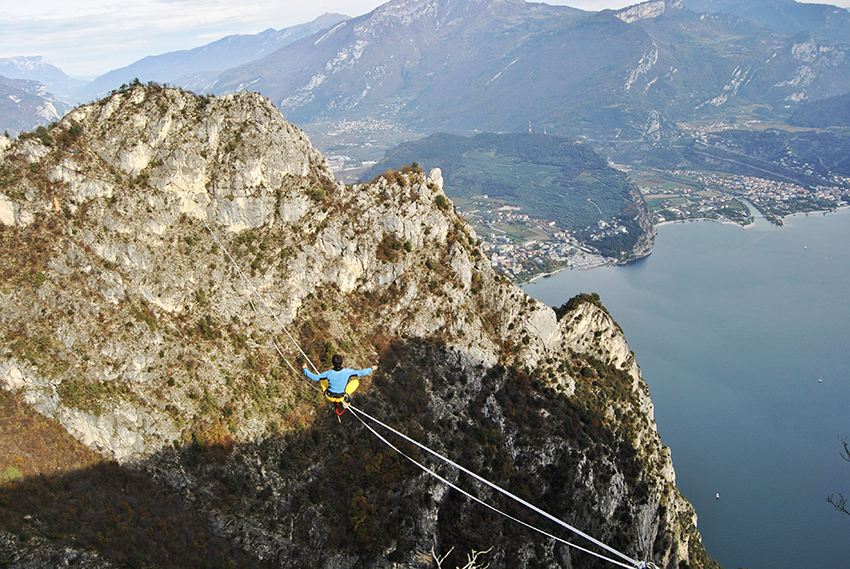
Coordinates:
(165, 260)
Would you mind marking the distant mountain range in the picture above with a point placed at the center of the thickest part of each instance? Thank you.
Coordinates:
(423, 62)
(785, 16)
(43, 71)
(194, 69)
(498, 65)
(197, 69)
(24, 104)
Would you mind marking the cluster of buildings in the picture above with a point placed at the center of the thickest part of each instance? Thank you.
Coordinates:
(367, 125)
(603, 229)
(700, 130)
(728, 197)
(522, 261)
(520, 246)
(684, 203)
(776, 198)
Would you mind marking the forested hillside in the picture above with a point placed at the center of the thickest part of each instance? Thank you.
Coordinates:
(550, 177)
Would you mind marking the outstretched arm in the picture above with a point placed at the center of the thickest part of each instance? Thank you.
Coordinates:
(311, 375)
(366, 371)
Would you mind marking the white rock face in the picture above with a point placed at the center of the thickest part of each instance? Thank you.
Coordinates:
(648, 10)
(125, 432)
(7, 211)
(591, 330)
(82, 187)
(13, 215)
(174, 212)
(543, 326)
(647, 61)
(436, 177)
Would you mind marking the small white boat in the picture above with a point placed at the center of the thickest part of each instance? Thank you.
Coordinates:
(820, 380)
(717, 496)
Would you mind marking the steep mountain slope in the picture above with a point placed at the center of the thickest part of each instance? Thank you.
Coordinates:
(401, 57)
(496, 65)
(833, 111)
(41, 70)
(550, 177)
(124, 322)
(787, 16)
(24, 105)
(731, 65)
(198, 68)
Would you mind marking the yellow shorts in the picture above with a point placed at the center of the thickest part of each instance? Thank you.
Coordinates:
(350, 388)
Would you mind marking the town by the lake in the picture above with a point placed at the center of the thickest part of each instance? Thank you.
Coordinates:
(523, 247)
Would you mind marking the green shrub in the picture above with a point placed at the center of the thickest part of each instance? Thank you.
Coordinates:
(85, 396)
(208, 328)
(577, 301)
(10, 474)
(38, 279)
(388, 249)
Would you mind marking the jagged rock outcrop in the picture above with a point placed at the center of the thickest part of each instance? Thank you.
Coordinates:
(126, 321)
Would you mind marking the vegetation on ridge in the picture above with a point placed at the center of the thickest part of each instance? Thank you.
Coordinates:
(123, 312)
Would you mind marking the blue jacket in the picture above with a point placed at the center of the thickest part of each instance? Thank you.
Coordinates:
(337, 380)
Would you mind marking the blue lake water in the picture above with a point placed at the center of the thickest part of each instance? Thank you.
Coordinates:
(732, 329)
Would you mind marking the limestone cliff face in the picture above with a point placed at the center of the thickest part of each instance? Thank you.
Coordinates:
(125, 321)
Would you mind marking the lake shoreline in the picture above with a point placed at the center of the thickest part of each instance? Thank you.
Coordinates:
(610, 263)
(732, 422)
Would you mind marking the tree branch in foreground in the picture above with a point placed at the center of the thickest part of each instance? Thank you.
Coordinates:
(840, 503)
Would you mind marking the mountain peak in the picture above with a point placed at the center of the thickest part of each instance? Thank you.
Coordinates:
(648, 10)
(406, 12)
(27, 62)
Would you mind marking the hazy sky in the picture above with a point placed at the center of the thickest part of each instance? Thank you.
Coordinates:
(91, 37)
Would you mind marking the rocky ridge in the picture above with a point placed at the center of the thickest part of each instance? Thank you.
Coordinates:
(124, 321)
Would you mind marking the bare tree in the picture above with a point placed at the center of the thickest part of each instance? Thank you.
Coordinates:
(840, 503)
(472, 559)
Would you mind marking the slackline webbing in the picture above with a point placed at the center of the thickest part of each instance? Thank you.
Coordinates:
(357, 413)
(500, 489)
(263, 300)
(482, 502)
